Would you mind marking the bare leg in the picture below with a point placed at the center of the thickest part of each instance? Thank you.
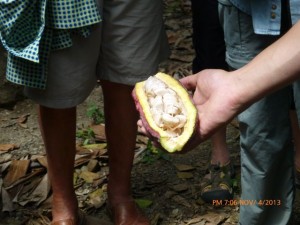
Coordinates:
(58, 127)
(121, 129)
(216, 183)
(220, 153)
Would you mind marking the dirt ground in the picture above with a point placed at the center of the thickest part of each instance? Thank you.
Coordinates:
(166, 185)
(170, 182)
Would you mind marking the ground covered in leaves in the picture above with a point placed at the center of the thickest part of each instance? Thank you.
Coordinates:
(165, 185)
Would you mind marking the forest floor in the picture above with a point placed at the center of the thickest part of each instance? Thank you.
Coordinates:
(165, 185)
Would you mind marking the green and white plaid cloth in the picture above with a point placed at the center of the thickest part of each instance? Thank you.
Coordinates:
(30, 29)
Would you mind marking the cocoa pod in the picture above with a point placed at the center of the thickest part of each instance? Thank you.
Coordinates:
(166, 110)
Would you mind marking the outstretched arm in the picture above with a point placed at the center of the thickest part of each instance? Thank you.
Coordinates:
(220, 95)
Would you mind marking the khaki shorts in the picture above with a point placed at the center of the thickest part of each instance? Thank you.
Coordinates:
(125, 48)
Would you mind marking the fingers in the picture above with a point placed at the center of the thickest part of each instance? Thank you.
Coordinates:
(141, 127)
(189, 82)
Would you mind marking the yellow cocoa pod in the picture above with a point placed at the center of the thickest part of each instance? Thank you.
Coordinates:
(167, 111)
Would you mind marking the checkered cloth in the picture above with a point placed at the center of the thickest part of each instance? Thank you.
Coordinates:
(30, 29)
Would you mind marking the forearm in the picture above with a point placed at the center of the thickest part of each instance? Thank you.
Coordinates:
(274, 68)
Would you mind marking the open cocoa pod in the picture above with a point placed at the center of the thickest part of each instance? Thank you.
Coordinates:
(166, 110)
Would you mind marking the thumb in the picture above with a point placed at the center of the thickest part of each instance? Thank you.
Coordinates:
(189, 82)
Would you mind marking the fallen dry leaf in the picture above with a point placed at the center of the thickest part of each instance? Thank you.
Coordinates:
(185, 175)
(99, 146)
(93, 165)
(43, 161)
(8, 147)
(180, 200)
(7, 204)
(24, 190)
(215, 218)
(99, 131)
(97, 198)
(196, 221)
(89, 177)
(82, 159)
(27, 177)
(5, 162)
(142, 139)
(40, 192)
(21, 120)
(16, 170)
(180, 187)
(184, 167)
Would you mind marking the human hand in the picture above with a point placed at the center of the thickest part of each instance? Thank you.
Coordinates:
(215, 99)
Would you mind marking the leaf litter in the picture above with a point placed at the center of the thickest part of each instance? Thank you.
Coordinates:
(165, 186)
